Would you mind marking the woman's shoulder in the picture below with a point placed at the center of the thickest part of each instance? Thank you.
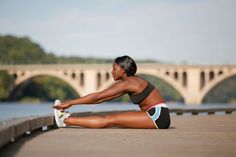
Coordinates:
(136, 79)
(136, 82)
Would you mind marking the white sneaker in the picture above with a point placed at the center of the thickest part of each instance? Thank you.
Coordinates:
(60, 116)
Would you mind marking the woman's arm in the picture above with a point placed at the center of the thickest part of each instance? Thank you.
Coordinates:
(112, 92)
(116, 90)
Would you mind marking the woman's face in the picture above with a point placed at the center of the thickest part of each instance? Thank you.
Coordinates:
(117, 71)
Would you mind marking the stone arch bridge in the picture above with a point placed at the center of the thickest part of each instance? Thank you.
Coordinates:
(193, 82)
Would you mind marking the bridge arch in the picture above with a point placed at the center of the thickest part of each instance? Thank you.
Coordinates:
(22, 79)
(214, 83)
(160, 83)
(168, 80)
(176, 85)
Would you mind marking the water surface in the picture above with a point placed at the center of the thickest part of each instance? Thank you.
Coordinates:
(14, 110)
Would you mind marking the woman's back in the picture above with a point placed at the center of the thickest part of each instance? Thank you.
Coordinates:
(143, 92)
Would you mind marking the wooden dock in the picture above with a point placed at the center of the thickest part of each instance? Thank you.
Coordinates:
(195, 135)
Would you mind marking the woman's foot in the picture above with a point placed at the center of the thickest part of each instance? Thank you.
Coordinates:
(60, 116)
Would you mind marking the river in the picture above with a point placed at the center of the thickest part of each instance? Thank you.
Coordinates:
(14, 110)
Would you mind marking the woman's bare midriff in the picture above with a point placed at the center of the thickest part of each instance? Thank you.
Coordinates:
(153, 99)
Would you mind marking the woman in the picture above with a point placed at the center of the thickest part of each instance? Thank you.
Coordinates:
(154, 112)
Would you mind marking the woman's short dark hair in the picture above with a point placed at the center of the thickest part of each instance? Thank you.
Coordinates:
(127, 63)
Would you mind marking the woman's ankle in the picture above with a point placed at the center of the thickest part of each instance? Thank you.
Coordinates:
(67, 121)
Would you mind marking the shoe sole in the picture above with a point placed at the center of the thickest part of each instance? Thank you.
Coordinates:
(56, 116)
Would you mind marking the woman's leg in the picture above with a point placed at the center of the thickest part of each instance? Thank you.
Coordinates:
(127, 119)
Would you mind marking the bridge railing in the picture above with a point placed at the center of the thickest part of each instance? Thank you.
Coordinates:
(13, 129)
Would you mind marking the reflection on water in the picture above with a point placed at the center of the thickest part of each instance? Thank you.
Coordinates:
(14, 110)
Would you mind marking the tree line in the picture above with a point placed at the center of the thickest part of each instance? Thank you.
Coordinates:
(22, 50)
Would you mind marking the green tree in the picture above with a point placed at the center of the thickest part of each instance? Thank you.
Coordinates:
(224, 92)
(5, 84)
(15, 50)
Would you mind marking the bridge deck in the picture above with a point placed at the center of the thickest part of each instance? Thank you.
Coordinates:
(212, 135)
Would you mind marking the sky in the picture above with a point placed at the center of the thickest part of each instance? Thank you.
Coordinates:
(171, 31)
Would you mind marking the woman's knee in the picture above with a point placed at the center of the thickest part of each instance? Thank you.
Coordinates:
(110, 120)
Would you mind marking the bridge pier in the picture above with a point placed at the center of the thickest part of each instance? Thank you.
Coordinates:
(193, 87)
(190, 100)
(90, 81)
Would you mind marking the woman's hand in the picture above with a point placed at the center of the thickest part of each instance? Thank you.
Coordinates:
(63, 106)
